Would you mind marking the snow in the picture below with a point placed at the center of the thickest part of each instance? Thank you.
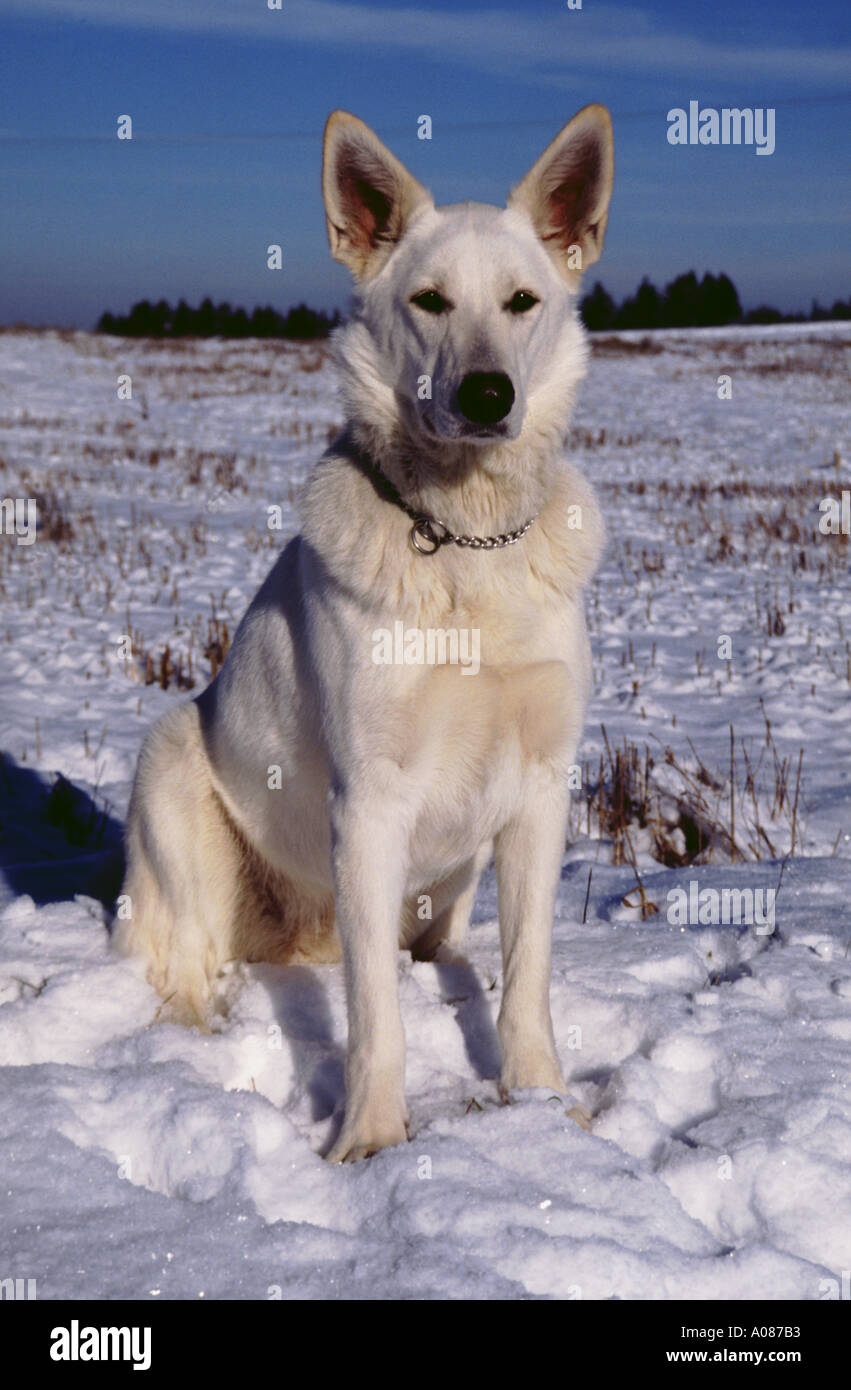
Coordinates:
(142, 1160)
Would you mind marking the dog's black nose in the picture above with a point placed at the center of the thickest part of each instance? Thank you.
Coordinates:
(485, 397)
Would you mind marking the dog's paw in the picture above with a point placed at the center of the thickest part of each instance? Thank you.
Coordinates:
(531, 1070)
(575, 1110)
(187, 1011)
(580, 1115)
(358, 1142)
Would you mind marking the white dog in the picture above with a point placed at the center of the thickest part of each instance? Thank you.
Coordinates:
(319, 795)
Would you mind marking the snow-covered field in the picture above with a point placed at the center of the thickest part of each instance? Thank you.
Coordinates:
(141, 1160)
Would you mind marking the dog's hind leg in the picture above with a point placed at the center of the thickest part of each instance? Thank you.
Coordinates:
(178, 899)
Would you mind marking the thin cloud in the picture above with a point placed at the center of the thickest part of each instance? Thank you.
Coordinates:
(526, 44)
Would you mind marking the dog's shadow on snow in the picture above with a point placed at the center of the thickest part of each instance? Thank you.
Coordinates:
(302, 1010)
(56, 840)
(460, 986)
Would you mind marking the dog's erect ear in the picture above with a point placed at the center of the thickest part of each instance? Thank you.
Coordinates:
(369, 196)
(566, 192)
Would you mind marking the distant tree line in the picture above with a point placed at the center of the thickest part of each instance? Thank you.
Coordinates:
(684, 303)
(690, 303)
(209, 320)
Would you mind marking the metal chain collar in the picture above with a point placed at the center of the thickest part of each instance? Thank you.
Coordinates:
(428, 534)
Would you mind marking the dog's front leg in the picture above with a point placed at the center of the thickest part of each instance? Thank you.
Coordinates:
(370, 848)
(528, 854)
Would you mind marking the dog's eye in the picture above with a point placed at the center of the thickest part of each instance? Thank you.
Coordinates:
(521, 301)
(431, 301)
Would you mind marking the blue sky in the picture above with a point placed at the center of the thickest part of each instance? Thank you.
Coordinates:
(228, 101)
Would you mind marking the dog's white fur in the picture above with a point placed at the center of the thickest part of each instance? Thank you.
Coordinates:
(399, 780)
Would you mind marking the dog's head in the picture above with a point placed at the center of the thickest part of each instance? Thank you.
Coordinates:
(466, 314)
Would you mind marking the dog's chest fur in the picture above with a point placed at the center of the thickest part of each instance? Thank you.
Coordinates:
(457, 744)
